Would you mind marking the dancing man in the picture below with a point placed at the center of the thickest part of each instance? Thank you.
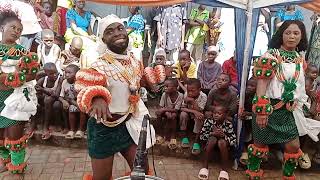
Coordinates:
(109, 94)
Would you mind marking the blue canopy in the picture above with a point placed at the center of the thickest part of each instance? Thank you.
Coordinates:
(240, 21)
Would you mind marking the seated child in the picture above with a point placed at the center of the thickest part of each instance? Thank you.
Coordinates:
(192, 108)
(313, 92)
(73, 54)
(68, 97)
(47, 17)
(312, 73)
(170, 104)
(310, 107)
(209, 70)
(217, 131)
(48, 89)
(48, 51)
(185, 68)
(159, 59)
(309, 111)
(246, 116)
(223, 95)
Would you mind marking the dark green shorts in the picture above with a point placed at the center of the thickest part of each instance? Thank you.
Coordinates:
(104, 141)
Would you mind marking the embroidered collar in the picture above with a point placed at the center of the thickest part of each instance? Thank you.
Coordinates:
(117, 56)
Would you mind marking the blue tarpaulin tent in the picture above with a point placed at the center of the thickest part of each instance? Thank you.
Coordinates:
(246, 21)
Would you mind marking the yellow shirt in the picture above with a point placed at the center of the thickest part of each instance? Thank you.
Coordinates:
(191, 73)
(65, 3)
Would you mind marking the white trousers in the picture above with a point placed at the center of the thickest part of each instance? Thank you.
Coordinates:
(198, 48)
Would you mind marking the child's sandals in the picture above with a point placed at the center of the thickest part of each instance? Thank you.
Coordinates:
(244, 158)
(196, 149)
(70, 135)
(305, 162)
(79, 134)
(160, 140)
(185, 143)
(203, 174)
(46, 135)
(223, 175)
(173, 144)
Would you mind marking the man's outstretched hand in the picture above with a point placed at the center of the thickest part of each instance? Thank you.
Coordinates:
(100, 109)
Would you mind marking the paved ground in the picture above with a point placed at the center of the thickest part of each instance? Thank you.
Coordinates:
(56, 163)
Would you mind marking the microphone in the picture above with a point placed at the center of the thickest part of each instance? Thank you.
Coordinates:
(139, 164)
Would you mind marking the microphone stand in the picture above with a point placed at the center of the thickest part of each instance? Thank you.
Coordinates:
(139, 164)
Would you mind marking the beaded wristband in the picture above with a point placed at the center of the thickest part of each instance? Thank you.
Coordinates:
(261, 105)
(91, 92)
(89, 77)
(15, 79)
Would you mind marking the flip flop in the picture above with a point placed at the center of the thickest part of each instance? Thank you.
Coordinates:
(70, 135)
(244, 158)
(203, 174)
(223, 175)
(185, 142)
(160, 140)
(79, 134)
(46, 135)
(173, 144)
(304, 161)
(196, 149)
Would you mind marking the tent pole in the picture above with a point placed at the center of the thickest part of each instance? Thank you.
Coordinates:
(245, 68)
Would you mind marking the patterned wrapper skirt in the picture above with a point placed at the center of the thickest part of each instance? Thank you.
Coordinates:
(281, 127)
(6, 122)
(104, 141)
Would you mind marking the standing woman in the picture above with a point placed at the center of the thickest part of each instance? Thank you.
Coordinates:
(314, 53)
(78, 25)
(279, 97)
(17, 70)
(135, 28)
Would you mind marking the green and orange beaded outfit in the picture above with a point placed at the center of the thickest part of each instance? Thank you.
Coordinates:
(278, 107)
(16, 63)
